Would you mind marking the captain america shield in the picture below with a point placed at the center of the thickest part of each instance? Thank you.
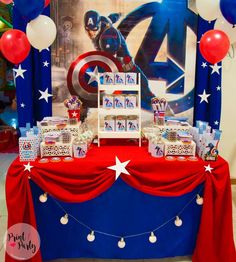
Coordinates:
(82, 77)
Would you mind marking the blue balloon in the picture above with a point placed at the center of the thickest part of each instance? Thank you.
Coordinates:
(228, 10)
(29, 10)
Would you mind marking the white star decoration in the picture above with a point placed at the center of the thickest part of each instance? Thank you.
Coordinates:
(45, 64)
(204, 97)
(19, 72)
(204, 64)
(120, 167)
(208, 168)
(218, 88)
(45, 95)
(74, 114)
(216, 123)
(22, 105)
(215, 69)
(28, 167)
(93, 75)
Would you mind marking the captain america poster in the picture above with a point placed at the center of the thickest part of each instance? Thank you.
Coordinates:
(154, 38)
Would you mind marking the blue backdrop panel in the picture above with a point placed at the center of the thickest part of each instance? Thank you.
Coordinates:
(36, 77)
(208, 79)
(121, 210)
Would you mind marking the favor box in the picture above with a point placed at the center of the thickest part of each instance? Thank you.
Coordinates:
(108, 101)
(179, 148)
(28, 148)
(210, 150)
(119, 78)
(157, 149)
(131, 101)
(131, 79)
(119, 101)
(108, 79)
(57, 149)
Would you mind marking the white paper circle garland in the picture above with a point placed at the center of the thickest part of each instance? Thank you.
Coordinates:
(121, 243)
(64, 220)
(43, 198)
(178, 222)
(152, 238)
(91, 237)
(199, 200)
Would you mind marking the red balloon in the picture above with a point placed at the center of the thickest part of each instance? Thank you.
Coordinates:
(15, 46)
(47, 2)
(7, 2)
(214, 46)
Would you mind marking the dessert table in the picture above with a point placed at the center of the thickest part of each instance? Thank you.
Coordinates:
(121, 203)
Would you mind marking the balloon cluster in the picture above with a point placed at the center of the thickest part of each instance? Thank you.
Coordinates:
(214, 44)
(73, 103)
(40, 31)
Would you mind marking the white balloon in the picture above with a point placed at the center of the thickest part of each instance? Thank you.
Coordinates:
(223, 25)
(208, 9)
(41, 32)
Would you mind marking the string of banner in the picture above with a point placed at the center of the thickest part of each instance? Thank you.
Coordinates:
(121, 239)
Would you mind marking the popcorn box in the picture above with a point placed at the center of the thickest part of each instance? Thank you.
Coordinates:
(119, 78)
(108, 79)
(28, 148)
(131, 79)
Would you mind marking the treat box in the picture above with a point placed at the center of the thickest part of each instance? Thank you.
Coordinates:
(28, 148)
(57, 149)
(177, 128)
(179, 148)
(119, 78)
(73, 129)
(131, 79)
(108, 79)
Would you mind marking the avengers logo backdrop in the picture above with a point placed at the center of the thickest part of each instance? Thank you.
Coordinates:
(159, 36)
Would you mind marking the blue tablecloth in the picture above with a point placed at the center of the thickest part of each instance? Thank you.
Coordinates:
(121, 210)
